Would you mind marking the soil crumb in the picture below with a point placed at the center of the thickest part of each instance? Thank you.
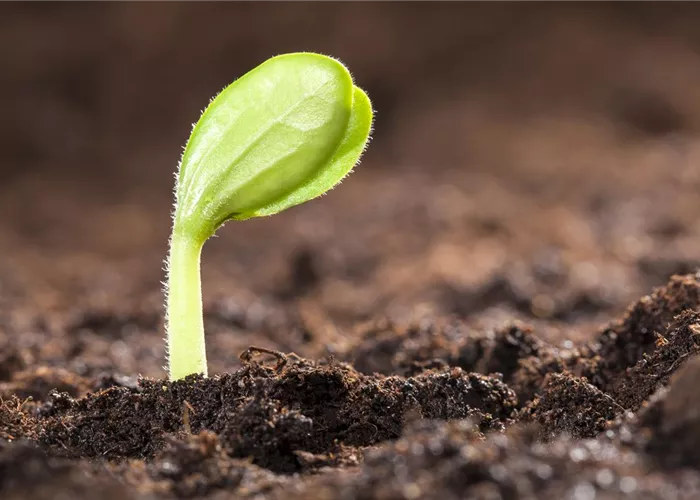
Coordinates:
(570, 405)
(270, 414)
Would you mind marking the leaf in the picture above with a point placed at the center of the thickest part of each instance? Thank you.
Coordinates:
(282, 134)
(344, 159)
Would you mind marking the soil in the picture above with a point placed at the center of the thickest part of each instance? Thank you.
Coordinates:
(503, 302)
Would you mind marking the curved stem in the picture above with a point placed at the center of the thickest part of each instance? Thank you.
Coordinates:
(184, 322)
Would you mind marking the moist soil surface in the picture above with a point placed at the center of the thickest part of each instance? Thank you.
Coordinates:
(503, 302)
(432, 410)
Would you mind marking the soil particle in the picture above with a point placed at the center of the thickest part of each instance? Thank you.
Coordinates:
(671, 422)
(270, 413)
(269, 434)
(625, 343)
(197, 465)
(508, 347)
(15, 422)
(389, 349)
(652, 371)
(521, 358)
(531, 376)
(570, 405)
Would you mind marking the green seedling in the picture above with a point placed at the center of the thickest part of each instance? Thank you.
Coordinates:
(284, 133)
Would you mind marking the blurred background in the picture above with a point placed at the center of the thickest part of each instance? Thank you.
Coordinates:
(538, 162)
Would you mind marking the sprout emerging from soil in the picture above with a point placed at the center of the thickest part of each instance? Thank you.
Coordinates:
(281, 135)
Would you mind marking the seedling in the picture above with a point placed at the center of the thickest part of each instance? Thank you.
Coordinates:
(281, 135)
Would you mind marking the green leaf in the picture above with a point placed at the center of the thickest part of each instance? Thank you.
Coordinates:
(282, 134)
(340, 165)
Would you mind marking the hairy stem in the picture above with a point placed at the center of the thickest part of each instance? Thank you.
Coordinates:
(185, 324)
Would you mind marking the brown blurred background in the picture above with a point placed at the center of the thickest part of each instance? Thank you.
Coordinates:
(96, 88)
(532, 161)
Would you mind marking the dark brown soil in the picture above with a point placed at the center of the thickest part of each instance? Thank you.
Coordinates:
(503, 302)
(565, 428)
